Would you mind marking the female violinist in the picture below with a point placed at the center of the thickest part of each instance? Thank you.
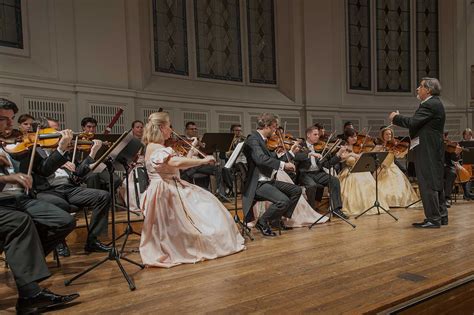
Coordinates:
(393, 184)
(184, 223)
(357, 189)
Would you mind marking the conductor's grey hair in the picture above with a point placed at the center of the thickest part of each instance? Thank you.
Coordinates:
(432, 84)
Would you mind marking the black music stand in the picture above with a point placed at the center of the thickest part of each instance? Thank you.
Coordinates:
(108, 159)
(131, 146)
(371, 162)
(215, 143)
(244, 229)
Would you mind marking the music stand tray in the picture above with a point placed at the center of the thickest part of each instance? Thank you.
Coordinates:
(370, 162)
(117, 153)
(216, 142)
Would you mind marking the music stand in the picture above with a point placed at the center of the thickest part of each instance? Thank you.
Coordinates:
(244, 229)
(127, 155)
(214, 143)
(370, 162)
(107, 160)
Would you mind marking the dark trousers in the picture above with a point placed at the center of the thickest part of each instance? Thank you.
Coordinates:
(467, 190)
(240, 169)
(22, 245)
(52, 223)
(209, 170)
(284, 197)
(434, 202)
(449, 178)
(98, 200)
(315, 180)
(101, 181)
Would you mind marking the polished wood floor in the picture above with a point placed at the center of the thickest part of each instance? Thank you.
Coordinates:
(331, 269)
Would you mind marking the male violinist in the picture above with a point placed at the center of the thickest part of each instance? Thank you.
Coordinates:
(191, 134)
(59, 188)
(53, 224)
(312, 175)
(261, 183)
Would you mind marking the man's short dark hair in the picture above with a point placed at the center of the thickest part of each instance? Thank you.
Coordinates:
(233, 126)
(24, 117)
(87, 120)
(318, 125)
(136, 122)
(311, 129)
(189, 123)
(7, 104)
(348, 123)
(266, 119)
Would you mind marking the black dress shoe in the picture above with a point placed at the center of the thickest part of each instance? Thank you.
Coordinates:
(429, 225)
(42, 302)
(63, 249)
(419, 223)
(444, 221)
(265, 229)
(340, 213)
(96, 247)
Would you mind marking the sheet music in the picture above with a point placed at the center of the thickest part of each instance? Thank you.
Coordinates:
(234, 155)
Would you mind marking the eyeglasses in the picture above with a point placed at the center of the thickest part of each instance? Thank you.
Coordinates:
(192, 128)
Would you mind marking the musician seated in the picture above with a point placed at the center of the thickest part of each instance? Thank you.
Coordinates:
(96, 180)
(24, 253)
(311, 171)
(201, 174)
(467, 195)
(54, 183)
(261, 184)
(24, 123)
(240, 165)
(53, 223)
(451, 163)
(137, 129)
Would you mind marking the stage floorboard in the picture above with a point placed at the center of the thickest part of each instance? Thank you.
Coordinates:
(331, 269)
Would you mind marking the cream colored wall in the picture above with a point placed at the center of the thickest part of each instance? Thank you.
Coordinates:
(86, 52)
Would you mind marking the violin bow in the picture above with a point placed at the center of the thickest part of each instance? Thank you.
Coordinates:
(32, 157)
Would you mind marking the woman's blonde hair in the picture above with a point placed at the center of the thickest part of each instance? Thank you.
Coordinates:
(152, 132)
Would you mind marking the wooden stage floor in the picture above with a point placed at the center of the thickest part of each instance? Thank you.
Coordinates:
(331, 269)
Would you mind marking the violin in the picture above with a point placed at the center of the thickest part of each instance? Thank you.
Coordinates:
(11, 136)
(286, 141)
(179, 146)
(365, 143)
(47, 138)
(452, 146)
(398, 147)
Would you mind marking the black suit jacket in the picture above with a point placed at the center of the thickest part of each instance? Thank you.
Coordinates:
(260, 161)
(303, 161)
(45, 166)
(428, 124)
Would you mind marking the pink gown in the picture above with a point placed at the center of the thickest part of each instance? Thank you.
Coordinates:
(183, 222)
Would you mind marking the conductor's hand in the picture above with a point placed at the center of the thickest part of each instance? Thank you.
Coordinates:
(18, 179)
(65, 142)
(290, 167)
(392, 115)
